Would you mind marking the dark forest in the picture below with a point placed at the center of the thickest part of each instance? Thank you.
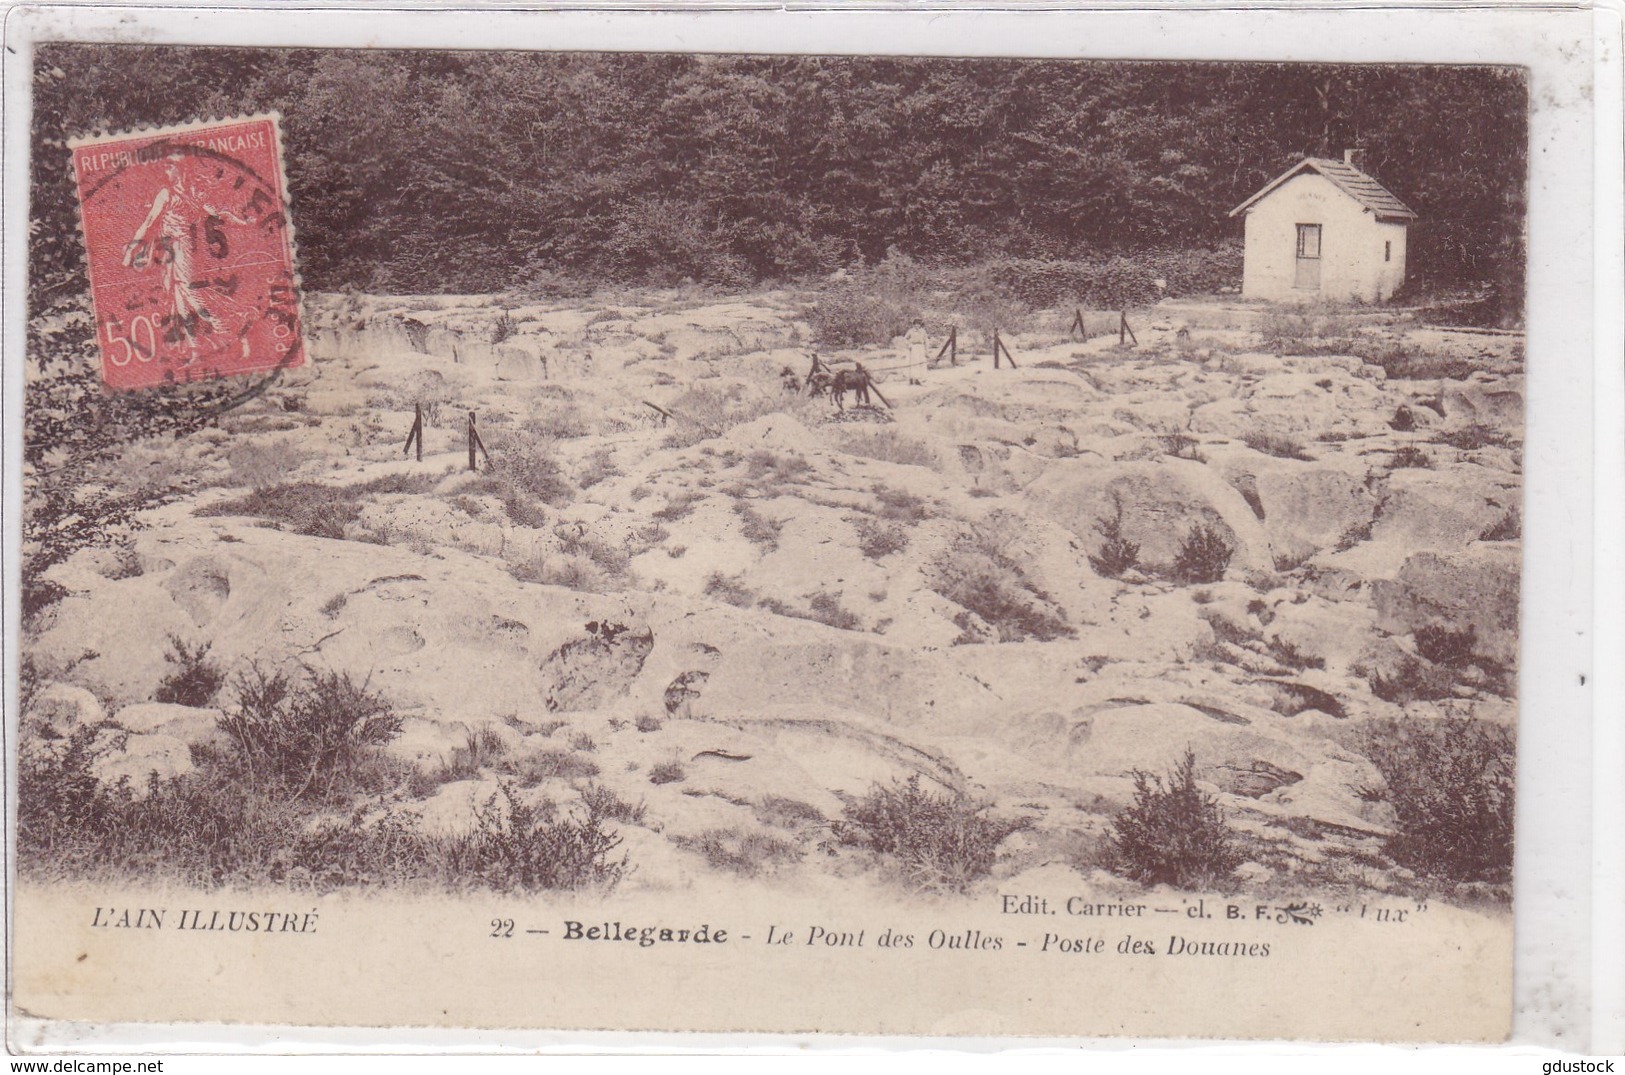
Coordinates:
(458, 172)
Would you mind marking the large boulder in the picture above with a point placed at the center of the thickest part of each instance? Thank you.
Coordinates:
(1476, 588)
(521, 359)
(1329, 400)
(1441, 509)
(65, 708)
(1157, 505)
(1484, 399)
(1305, 506)
(141, 757)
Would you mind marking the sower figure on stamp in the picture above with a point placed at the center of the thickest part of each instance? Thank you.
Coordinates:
(187, 217)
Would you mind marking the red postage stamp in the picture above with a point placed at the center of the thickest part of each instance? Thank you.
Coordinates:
(190, 252)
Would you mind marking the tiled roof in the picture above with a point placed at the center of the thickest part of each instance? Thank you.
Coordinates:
(1350, 180)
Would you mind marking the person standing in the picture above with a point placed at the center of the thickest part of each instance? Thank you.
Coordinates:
(917, 343)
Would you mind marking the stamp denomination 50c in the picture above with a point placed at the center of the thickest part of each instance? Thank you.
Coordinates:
(190, 252)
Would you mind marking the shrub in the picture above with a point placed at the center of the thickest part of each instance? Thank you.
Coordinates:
(1117, 554)
(1280, 447)
(775, 468)
(1410, 457)
(526, 473)
(305, 738)
(648, 722)
(482, 748)
(785, 812)
(1509, 527)
(1305, 332)
(678, 505)
(666, 772)
(1291, 656)
(826, 609)
(852, 314)
(1443, 645)
(1203, 556)
(504, 327)
(986, 582)
(563, 421)
(1400, 363)
(902, 505)
(575, 541)
(60, 803)
(889, 446)
(756, 527)
(746, 854)
(1174, 833)
(938, 841)
(1179, 444)
(195, 679)
(1403, 421)
(391, 483)
(257, 464)
(730, 590)
(571, 572)
(1412, 681)
(309, 508)
(876, 541)
(705, 411)
(604, 802)
(1472, 438)
(989, 306)
(532, 769)
(1121, 281)
(597, 467)
(516, 846)
(1354, 535)
(1450, 782)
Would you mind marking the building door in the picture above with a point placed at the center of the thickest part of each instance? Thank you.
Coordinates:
(1308, 274)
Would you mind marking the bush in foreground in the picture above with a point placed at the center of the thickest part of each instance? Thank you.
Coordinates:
(1450, 782)
(306, 738)
(195, 679)
(1203, 556)
(518, 846)
(1174, 833)
(939, 841)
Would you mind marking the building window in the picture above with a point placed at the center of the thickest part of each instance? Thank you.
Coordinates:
(1309, 240)
(1388, 250)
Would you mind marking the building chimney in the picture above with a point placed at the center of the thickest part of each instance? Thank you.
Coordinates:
(1356, 157)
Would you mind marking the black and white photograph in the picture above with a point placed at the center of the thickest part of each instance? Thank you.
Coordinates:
(806, 528)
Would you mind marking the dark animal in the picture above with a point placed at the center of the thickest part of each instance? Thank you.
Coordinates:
(855, 381)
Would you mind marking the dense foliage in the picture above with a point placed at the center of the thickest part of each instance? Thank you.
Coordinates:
(429, 171)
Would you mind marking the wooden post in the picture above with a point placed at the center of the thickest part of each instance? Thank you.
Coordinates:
(950, 347)
(474, 442)
(1078, 325)
(1124, 333)
(1008, 357)
(995, 348)
(417, 432)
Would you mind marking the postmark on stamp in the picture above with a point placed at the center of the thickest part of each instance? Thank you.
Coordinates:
(190, 252)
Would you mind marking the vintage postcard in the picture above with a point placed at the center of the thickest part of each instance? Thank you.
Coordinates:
(801, 543)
